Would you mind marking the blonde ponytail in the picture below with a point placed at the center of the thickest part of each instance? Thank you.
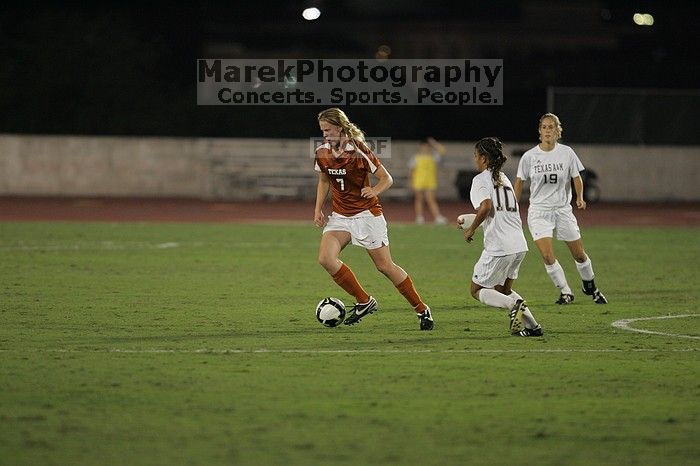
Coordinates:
(337, 117)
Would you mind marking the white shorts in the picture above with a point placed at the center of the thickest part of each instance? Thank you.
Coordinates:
(490, 271)
(367, 231)
(542, 224)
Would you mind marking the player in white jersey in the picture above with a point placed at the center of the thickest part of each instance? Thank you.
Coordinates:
(550, 167)
(505, 247)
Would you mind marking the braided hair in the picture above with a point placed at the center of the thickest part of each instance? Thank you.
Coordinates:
(337, 117)
(492, 149)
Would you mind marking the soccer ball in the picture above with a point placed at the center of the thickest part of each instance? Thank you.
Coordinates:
(330, 312)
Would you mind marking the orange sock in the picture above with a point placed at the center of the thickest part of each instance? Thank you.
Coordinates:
(347, 281)
(409, 292)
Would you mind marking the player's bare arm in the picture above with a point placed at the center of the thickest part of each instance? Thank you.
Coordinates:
(518, 188)
(324, 185)
(384, 183)
(578, 184)
(436, 146)
(481, 214)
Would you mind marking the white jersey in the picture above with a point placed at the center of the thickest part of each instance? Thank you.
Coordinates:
(550, 174)
(503, 229)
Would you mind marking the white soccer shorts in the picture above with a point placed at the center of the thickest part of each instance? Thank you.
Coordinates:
(366, 231)
(490, 271)
(543, 223)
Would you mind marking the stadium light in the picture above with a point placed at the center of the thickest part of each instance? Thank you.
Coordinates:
(643, 19)
(311, 14)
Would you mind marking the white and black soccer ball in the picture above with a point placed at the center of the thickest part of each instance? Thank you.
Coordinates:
(330, 312)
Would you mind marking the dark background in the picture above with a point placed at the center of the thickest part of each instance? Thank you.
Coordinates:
(129, 68)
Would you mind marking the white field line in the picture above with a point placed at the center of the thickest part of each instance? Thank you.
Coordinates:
(136, 245)
(354, 351)
(140, 245)
(87, 246)
(624, 324)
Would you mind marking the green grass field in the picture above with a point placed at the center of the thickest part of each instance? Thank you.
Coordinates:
(197, 344)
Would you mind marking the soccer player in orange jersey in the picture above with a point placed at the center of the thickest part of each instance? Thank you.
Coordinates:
(344, 163)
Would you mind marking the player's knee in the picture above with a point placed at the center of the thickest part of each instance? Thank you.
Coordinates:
(503, 289)
(580, 257)
(549, 258)
(385, 267)
(326, 261)
(474, 289)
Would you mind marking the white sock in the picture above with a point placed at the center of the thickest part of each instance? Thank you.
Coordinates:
(496, 299)
(556, 274)
(528, 318)
(585, 269)
(514, 294)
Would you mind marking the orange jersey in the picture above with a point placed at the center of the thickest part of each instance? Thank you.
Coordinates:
(348, 174)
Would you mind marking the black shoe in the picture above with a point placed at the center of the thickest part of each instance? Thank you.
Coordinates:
(565, 299)
(529, 332)
(426, 320)
(598, 297)
(516, 316)
(360, 310)
(591, 290)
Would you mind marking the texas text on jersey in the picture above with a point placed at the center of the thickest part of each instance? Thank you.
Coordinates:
(348, 173)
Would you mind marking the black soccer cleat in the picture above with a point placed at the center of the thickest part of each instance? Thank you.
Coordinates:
(565, 299)
(529, 332)
(516, 316)
(360, 310)
(590, 289)
(426, 320)
(599, 298)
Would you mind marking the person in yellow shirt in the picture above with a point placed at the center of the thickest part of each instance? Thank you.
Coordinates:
(423, 171)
